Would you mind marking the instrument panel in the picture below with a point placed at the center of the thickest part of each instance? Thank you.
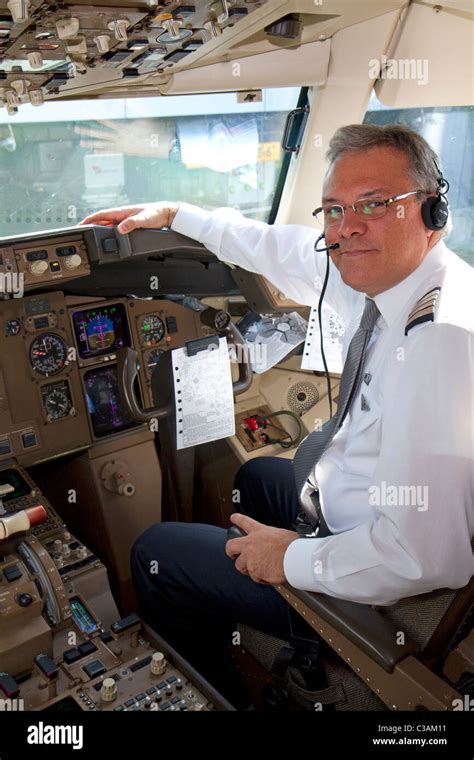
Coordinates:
(59, 388)
(63, 645)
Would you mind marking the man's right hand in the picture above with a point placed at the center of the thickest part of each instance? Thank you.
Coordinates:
(128, 218)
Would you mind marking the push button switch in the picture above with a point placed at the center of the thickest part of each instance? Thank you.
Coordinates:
(109, 245)
(12, 573)
(94, 668)
(29, 439)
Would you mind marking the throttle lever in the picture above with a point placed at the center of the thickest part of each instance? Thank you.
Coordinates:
(235, 532)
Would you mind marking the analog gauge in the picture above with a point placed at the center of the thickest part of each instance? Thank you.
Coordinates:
(57, 401)
(48, 354)
(152, 330)
(152, 359)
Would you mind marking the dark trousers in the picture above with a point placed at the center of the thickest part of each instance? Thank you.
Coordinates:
(190, 591)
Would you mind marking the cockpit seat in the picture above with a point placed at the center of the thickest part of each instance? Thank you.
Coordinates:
(414, 655)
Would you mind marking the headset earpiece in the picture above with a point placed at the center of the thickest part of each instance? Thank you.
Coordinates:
(435, 210)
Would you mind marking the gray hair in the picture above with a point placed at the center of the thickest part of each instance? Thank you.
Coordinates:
(424, 163)
(357, 137)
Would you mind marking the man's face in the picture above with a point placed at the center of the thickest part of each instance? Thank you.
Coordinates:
(376, 254)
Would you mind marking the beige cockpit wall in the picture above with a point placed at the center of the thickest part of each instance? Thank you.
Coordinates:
(416, 36)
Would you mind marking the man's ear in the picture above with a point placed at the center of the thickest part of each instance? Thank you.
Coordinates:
(432, 238)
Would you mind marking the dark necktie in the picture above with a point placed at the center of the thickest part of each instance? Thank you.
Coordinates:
(311, 449)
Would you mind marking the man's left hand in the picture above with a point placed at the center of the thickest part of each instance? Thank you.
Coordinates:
(260, 553)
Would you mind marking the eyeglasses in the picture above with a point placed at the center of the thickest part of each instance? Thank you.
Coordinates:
(369, 208)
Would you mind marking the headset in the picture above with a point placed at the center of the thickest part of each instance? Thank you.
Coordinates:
(434, 212)
(435, 209)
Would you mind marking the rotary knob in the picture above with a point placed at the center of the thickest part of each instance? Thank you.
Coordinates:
(102, 42)
(11, 97)
(36, 96)
(24, 600)
(108, 691)
(126, 489)
(158, 663)
(81, 552)
(38, 267)
(72, 262)
(19, 10)
(67, 27)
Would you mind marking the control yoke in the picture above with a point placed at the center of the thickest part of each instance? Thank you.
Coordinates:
(128, 368)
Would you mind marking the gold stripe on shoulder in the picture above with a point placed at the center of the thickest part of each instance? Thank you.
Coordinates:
(423, 310)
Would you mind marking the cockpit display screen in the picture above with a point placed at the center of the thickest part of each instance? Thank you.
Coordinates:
(101, 331)
(15, 481)
(108, 414)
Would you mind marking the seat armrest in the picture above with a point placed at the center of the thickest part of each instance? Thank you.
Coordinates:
(359, 623)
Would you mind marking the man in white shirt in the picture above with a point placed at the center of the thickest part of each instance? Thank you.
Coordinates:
(396, 480)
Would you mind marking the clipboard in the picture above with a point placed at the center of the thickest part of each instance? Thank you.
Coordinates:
(203, 391)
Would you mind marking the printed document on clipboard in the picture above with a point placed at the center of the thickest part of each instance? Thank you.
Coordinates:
(203, 392)
(333, 335)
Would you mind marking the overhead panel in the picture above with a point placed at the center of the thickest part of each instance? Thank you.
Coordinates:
(51, 50)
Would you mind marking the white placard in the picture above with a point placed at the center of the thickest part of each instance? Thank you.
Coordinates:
(204, 396)
(333, 334)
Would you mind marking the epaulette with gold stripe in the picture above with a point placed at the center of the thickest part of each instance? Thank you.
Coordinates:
(423, 310)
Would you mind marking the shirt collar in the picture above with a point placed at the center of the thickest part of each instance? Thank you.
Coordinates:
(391, 302)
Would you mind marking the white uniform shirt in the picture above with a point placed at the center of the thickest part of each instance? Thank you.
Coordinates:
(397, 482)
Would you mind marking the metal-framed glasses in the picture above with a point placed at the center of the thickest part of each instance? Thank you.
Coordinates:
(368, 208)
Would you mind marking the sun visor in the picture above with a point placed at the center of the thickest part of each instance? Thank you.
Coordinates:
(296, 67)
(432, 61)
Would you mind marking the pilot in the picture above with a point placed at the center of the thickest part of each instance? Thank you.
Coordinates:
(388, 481)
